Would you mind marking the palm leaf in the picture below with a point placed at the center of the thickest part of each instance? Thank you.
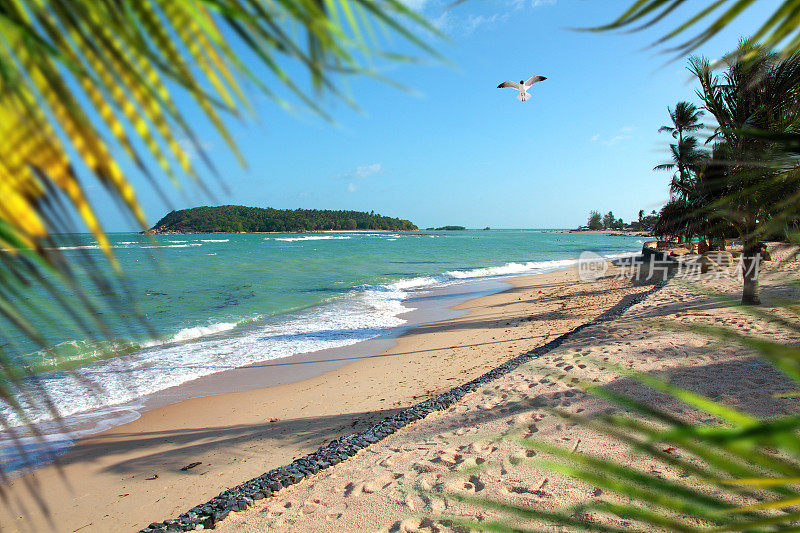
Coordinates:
(709, 21)
(95, 78)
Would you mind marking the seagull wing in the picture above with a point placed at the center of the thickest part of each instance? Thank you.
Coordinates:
(533, 79)
(511, 84)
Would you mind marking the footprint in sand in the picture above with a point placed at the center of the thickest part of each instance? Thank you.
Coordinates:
(473, 462)
(471, 485)
(449, 457)
(309, 508)
(525, 490)
(531, 430)
(353, 487)
(388, 462)
(381, 483)
(413, 502)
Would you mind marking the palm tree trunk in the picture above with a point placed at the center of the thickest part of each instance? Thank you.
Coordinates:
(751, 262)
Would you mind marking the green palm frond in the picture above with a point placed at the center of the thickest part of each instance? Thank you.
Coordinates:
(780, 30)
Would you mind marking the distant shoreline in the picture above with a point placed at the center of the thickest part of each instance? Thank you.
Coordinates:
(360, 231)
(609, 232)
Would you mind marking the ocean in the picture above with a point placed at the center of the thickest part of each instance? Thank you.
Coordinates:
(217, 302)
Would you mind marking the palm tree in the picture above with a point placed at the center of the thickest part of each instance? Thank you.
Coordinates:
(675, 220)
(84, 81)
(760, 92)
(685, 119)
(687, 158)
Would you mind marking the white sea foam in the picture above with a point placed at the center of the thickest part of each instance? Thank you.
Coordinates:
(85, 247)
(364, 313)
(512, 268)
(173, 245)
(215, 240)
(313, 238)
(178, 241)
(192, 333)
(203, 350)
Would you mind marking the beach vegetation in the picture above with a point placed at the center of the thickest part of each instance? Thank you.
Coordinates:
(738, 187)
(595, 221)
(687, 157)
(751, 176)
(241, 219)
(609, 221)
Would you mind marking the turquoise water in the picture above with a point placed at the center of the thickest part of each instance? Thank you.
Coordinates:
(215, 302)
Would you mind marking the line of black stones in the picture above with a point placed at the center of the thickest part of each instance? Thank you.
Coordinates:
(239, 498)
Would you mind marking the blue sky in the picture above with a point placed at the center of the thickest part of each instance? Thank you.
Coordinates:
(456, 150)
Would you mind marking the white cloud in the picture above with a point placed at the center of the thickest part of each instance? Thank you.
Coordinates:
(450, 23)
(473, 22)
(361, 172)
(622, 135)
(454, 19)
(615, 140)
(520, 4)
(365, 171)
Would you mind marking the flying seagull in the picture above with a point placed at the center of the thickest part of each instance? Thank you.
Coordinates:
(522, 86)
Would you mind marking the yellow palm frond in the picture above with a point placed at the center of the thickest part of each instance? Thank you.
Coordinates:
(100, 81)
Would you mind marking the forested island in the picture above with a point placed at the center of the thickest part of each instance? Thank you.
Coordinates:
(240, 219)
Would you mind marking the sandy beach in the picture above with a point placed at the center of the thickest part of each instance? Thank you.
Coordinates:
(376, 490)
(131, 475)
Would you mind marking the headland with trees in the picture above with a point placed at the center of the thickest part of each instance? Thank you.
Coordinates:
(241, 219)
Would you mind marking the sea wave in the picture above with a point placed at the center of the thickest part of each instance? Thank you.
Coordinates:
(512, 268)
(362, 313)
(187, 245)
(215, 240)
(202, 350)
(192, 333)
(312, 238)
(84, 247)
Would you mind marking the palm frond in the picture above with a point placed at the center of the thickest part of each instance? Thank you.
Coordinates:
(101, 81)
(781, 28)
